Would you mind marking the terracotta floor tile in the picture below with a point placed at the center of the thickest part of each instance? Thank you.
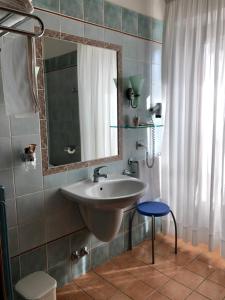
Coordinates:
(139, 251)
(182, 259)
(188, 278)
(196, 296)
(88, 278)
(157, 296)
(212, 290)
(120, 296)
(68, 287)
(145, 253)
(132, 276)
(71, 292)
(175, 290)
(142, 253)
(160, 260)
(148, 244)
(218, 263)
(164, 250)
(200, 268)
(189, 249)
(127, 262)
(218, 276)
(95, 286)
(169, 240)
(151, 276)
(204, 257)
(164, 238)
(117, 275)
(146, 258)
(73, 295)
(138, 290)
(168, 268)
(106, 269)
(120, 279)
(213, 258)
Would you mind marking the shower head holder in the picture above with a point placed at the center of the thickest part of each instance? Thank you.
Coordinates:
(156, 110)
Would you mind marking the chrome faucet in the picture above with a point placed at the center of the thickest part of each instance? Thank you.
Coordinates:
(96, 174)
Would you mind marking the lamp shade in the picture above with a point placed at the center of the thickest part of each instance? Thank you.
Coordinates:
(137, 83)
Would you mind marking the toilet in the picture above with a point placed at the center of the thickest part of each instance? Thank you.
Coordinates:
(37, 286)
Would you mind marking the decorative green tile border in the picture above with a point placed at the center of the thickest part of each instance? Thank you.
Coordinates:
(107, 14)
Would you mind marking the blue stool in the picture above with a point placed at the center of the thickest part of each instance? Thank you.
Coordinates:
(152, 209)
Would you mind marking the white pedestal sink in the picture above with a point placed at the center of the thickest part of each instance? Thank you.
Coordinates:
(102, 203)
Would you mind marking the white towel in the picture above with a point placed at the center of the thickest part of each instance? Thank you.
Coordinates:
(22, 5)
(18, 78)
(152, 178)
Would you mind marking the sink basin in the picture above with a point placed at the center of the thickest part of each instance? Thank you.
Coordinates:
(112, 193)
(102, 203)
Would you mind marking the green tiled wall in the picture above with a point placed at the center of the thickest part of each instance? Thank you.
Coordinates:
(72, 8)
(37, 213)
(47, 4)
(144, 26)
(93, 11)
(130, 21)
(108, 14)
(112, 16)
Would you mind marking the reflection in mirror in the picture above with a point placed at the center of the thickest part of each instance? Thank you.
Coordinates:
(81, 101)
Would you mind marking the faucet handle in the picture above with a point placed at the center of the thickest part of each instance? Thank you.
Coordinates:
(96, 170)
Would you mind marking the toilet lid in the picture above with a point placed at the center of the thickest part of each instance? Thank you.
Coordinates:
(35, 285)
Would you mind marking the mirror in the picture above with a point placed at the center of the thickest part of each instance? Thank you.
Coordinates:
(81, 84)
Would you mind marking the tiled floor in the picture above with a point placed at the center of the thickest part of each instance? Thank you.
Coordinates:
(193, 274)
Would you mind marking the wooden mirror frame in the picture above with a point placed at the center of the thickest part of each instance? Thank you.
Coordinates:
(47, 170)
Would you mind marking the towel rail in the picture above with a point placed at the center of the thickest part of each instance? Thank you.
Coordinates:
(5, 18)
(10, 12)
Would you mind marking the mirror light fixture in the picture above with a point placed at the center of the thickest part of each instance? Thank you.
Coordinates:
(134, 91)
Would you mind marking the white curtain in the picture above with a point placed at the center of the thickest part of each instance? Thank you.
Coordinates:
(193, 148)
(97, 74)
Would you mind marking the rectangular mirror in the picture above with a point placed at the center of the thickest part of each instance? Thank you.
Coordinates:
(81, 83)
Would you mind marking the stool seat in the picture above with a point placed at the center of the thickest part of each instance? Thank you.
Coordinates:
(152, 208)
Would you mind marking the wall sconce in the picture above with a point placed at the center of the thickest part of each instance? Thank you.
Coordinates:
(134, 91)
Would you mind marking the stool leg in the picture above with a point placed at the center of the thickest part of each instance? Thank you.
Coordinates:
(130, 229)
(154, 228)
(175, 226)
(153, 238)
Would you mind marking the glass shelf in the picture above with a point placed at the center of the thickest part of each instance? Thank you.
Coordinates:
(137, 127)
